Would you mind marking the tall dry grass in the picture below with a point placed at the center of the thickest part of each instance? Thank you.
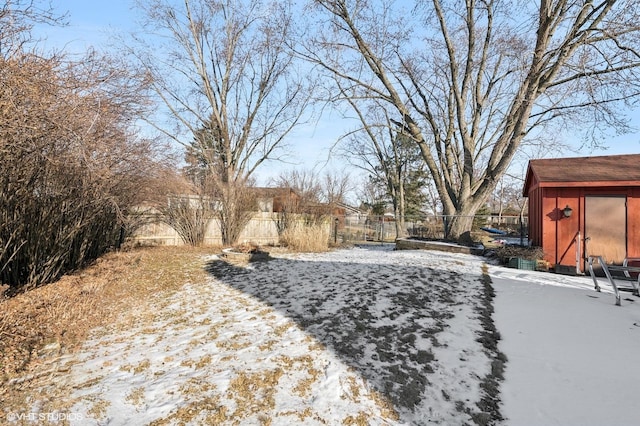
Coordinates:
(307, 238)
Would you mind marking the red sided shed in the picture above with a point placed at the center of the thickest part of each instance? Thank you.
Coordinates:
(584, 206)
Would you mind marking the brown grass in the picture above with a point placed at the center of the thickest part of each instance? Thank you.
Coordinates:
(136, 396)
(361, 419)
(301, 363)
(254, 393)
(215, 413)
(40, 326)
(305, 238)
(47, 322)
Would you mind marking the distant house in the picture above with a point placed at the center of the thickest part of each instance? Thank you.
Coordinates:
(347, 215)
(584, 206)
(276, 200)
(352, 215)
(509, 217)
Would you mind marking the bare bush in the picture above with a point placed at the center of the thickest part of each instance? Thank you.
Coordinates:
(187, 210)
(529, 253)
(189, 216)
(237, 204)
(70, 170)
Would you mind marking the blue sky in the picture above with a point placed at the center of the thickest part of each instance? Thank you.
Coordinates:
(91, 22)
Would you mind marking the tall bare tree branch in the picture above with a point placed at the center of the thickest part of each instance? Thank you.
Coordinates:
(228, 82)
(472, 81)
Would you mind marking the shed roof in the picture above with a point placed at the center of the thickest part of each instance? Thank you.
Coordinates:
(608, 170)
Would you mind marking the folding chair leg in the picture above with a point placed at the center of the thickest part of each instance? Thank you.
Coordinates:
(593, 275)
(611, 280)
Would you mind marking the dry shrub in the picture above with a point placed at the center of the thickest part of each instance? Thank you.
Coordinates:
(308, 238)
(247, 247)
(506, 252)
(70, 166)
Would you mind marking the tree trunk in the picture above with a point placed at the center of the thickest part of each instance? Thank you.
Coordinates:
(459, 219)
(237, 204)
(458, 228)
(400, 224)
(401, 230)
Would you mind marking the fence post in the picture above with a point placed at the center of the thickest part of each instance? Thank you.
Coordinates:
(445, 221)
(335, 233)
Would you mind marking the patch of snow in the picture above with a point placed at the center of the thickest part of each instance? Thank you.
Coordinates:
(363, 335)
(572, 354)
(366, 334)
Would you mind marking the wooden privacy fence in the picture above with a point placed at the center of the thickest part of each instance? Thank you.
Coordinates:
(262, 229)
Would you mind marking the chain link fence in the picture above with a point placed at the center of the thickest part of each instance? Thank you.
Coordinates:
(384, 229)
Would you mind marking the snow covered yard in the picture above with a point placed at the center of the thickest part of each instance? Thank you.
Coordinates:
(362, 336)
(359, 336)
(573, 355)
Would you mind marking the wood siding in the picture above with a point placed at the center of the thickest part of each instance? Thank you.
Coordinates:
(552, 184)
(557, 235)
(535, 216)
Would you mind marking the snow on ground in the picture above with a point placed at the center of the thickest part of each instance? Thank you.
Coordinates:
(359, 336)
(363, 336)
(573, 356)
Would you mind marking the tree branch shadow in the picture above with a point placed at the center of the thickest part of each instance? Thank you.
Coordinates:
(383, 320)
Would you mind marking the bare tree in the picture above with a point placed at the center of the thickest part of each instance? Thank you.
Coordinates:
(508, 196)
(470, 82)
(306, 186)
(336, 186)
(226, 79)
(385, 152)
(17, 18)
(305, 183)
(372, 197)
